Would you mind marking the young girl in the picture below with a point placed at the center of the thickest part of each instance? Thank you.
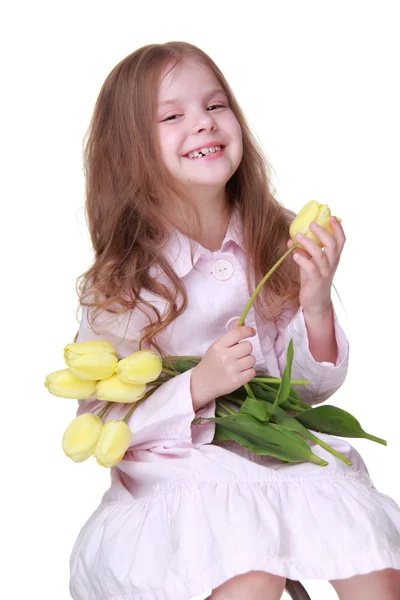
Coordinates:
(184, 225)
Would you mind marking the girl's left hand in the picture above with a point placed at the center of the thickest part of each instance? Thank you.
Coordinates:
(318, 266)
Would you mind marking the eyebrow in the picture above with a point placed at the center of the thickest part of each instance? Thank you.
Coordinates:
(210, 93)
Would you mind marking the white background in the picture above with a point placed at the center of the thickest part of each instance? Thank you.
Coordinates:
(318, 82)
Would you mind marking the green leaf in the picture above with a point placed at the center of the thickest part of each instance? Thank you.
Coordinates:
(285, 387)
(255, 408)
(221, 435)
(263, 393)
(283, 419)
(267, 438)
(334, 421)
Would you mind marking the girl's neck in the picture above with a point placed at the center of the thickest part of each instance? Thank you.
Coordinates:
(214, 221)
(214, 218)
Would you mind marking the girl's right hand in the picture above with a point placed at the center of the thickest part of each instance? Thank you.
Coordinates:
(226, 366)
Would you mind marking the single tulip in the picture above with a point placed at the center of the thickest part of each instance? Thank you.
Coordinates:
(91, 360)
(140, 367)
(113, 442)
(80, 438)
(115, 390)
(65, 385)
(310, 213)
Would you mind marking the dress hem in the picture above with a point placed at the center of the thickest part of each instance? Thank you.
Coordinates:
(276, 566)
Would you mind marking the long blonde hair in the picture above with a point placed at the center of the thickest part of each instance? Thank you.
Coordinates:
(127, 183)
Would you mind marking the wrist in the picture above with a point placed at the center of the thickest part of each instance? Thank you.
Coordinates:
(197, 391)
(320, 313)
(321, 334)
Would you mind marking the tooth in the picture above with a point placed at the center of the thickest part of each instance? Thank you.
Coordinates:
(204, 151)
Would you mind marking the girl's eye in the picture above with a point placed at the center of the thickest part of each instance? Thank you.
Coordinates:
(209, 108)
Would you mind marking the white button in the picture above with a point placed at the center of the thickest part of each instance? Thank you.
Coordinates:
(223, 269)
(231, 323)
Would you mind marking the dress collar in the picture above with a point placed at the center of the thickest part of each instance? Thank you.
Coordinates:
(178, 248)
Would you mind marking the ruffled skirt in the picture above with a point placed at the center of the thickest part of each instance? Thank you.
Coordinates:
(299, 521)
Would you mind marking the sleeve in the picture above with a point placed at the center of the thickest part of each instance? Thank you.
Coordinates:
(163, 419)
(325, 378)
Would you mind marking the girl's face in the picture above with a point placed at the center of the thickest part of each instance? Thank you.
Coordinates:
(199, 136)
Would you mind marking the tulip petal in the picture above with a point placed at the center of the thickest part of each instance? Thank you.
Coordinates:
(114, 440)
(142, 366)
(301, 222)
(65, 385)
(311, 212)
(92, 347)
(93, 366)
(81, 436)
(115, 390)
(324, 212)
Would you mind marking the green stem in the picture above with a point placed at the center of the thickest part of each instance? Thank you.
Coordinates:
(249, 390)
(233, 399)
(105, 409)
(298, 404)
(267, 276)
(373, 438)
(170, 372)
(294, 407)
(226, 408)
(173, 358)
(276, 380)
(328, 448)
(220, 414)
(136, 404)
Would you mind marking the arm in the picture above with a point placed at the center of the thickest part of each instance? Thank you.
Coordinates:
(320, 343)
(321, 335)
(325, 376)
(163, 419)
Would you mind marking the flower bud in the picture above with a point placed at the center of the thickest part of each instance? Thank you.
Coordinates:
(65, 385)
(140, 367)
(91, 360)
(115, 390)
(312, 212)
(80, 438)
(113, 442)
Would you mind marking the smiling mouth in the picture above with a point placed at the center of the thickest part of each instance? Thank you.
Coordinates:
(204, 152)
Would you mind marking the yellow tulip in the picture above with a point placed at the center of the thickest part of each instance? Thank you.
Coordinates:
(80, 438)
(113, 442)
(312, 212)
(115, 390)
(140, 367)
(65, 385)
(91, 360)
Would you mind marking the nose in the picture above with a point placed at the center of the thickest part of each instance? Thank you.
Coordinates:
(204, 120)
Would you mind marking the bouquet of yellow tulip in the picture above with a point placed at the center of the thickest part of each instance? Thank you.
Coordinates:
(270, 420)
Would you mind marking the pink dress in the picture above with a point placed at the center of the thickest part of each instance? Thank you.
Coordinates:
(182, 515)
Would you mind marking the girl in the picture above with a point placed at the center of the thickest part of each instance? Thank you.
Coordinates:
(183, 225)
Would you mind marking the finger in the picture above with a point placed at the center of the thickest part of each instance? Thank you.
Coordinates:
(333, 244)
(318, 255)
(241, 349)
(308, 266)
(302, 252)
(237, 334)
(338, 232)
(246, 376)
(246, 362)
